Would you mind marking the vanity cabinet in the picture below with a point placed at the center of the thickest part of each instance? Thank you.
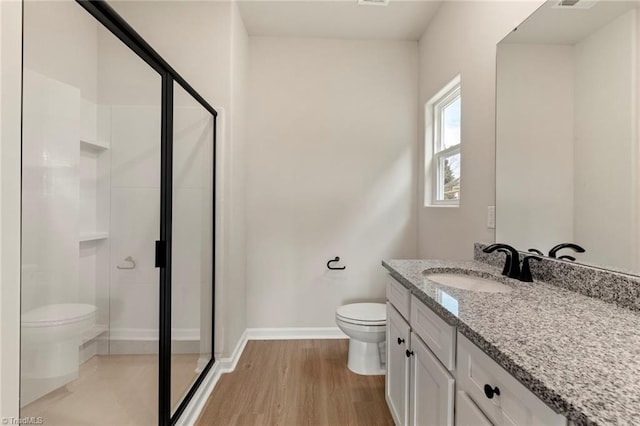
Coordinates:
(419, 389)
(432, 369)
(396, 381)
(503, 399)
(431, 388)
(468, 413)
(399, 296)
(439, 336)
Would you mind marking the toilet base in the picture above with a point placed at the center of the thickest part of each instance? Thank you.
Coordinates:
(32, 389)
(47, 366)
(366, 358)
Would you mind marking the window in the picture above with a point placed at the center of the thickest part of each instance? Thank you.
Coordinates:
(444, 137)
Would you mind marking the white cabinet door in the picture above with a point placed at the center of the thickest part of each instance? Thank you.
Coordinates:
(431, 388)
(467, 413)
(396, 382)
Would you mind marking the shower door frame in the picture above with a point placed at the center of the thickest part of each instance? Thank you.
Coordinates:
(113, 22)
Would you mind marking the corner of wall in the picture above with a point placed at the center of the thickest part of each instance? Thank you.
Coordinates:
(10, 111)
(234, 222)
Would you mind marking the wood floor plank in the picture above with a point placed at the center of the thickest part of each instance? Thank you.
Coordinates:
(296, 382)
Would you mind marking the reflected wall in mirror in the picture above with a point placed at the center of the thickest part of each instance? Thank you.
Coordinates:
(566, 132)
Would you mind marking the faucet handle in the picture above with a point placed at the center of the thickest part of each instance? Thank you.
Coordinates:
(525, 275)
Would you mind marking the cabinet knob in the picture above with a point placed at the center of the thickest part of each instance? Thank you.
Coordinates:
(408, 353)
(400, 341)
(490, 392)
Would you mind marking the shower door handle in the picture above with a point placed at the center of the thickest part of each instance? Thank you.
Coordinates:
(161, 254)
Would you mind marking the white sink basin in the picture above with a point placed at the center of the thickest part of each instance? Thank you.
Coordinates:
(468, 282)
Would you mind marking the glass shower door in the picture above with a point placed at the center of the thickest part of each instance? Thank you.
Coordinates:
(192, 243)
(117, 226)
(133, 92)
(90, 218)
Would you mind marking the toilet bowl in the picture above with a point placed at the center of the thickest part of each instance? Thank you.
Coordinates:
(51, 336)
(365, 324)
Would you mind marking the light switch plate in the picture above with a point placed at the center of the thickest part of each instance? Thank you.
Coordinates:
(491, 217)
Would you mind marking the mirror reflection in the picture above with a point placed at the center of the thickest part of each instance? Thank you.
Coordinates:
(566, 137)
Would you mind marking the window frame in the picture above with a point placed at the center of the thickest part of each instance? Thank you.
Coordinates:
(446, 97)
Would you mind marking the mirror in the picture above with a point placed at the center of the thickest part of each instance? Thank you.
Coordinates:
(566, 132)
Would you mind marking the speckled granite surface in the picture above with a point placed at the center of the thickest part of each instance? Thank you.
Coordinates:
(610, 286)
(579, 354)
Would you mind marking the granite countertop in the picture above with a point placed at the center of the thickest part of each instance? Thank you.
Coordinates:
(579, 355)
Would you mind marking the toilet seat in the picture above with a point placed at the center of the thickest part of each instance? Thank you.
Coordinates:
(57, 314)
(370, 314)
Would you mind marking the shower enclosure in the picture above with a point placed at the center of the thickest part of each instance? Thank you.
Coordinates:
(118, 202)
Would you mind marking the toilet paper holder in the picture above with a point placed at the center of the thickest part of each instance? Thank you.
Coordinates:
(130, 261)
(334, 268)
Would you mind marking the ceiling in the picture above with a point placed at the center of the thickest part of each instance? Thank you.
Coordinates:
(551, 25)
(343, 19)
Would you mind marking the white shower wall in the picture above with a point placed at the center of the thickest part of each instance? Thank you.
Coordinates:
(192, 269)
(50, 191)
(60, 60)
(135, 223)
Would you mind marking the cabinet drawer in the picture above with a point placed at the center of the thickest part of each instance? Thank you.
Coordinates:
(515, 405)
(439, 336)
(399, 297)
(468, 413)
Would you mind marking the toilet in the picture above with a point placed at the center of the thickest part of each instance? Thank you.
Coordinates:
(51, 337)
(365, 324)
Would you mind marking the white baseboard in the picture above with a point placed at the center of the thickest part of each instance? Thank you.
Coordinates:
(197, 403)
(227, 365)
(151, 334)
(221, 366)
(295, 333)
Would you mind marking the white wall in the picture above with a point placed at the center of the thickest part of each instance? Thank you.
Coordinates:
(50, 191)
(235, 281)
(534, 139)
(60, 45)
(331, 172)
(135, 217)
(203, 56)
(60, 41)
(10, 111)
(461, 39)
(606, 220)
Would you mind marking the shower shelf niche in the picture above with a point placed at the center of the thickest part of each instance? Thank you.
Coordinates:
(93, 236)
(94, 171)
(93, 145)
